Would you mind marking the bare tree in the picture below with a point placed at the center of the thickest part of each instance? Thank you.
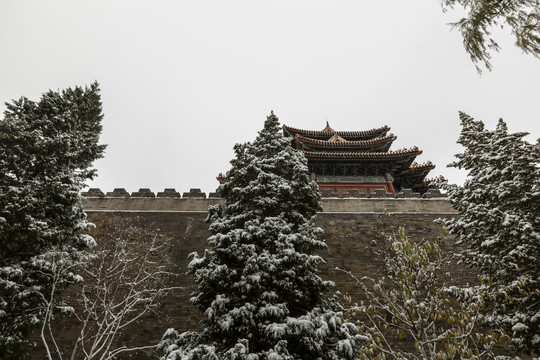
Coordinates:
(413, 301)
(123, 282)
(57, 266)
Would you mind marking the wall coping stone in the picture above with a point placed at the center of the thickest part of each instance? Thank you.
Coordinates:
(433, 193)
(198, 204)
(169, 192)
(144, 193)
(407, 193)
(93, 192)
(118, 192)
(354, 193)
(194, 193)
(380, 193)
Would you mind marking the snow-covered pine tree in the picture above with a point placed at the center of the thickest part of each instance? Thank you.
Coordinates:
(499, 223)
(46, 152)
(257, 284)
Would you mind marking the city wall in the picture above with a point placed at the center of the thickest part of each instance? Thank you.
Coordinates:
(354, 229)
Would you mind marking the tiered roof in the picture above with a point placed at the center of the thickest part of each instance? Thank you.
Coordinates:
(328, 132)
(360, 148)
(336, 142)
(401, 158)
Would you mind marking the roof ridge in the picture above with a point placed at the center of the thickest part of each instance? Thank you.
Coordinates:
(383, 129)
(381, 139)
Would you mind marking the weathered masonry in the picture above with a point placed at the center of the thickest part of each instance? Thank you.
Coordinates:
(354, 228)
(357, 163)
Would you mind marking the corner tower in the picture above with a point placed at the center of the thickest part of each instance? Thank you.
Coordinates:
(340, 161)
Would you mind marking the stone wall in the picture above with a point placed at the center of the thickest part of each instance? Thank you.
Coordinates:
(169, 200)
(353, 229)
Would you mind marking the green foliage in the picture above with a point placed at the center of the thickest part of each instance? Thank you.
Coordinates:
(412, 302)
(46, 152)
(257, 284)
(522, 16)
(499, 224)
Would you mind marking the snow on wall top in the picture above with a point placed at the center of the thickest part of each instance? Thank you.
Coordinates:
(170, 200)
(197, 193)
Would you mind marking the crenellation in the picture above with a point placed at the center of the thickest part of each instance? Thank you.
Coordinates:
(354, 193)
(194, 193)
(407, 193)
(118, 192)
(380, 193)
(433, 193)
(168, 193)
(327, 193)
(93, 192)
(196, 200)
(143, 193)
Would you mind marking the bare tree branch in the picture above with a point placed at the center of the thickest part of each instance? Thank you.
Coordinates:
(124, 281)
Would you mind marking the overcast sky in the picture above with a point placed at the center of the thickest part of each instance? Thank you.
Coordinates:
(183, 81)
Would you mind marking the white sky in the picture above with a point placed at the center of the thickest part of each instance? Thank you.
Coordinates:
(183, 81)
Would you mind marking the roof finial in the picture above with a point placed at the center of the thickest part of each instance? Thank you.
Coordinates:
(328, 128)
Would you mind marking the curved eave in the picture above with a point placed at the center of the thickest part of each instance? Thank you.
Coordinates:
(421, 168)
(347, 135)
(415, 174)
(381, 144)
(401, 156)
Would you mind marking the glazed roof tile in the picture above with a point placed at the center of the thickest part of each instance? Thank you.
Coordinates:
(336, 138)
(327, 133)
(420, 168)
(400, 155)
(362, 148)
(383, 143)
(416, 173)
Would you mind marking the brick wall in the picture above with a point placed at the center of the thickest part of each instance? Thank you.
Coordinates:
(354, 229)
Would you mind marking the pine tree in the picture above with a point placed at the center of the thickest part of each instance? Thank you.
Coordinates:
(46, 152)
(499, 223)
(257, 284)
(521, 16)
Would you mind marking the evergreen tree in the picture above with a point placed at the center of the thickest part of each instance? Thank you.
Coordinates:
(521, 16)
(257, 285)
(46, 152)
(499, 224)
